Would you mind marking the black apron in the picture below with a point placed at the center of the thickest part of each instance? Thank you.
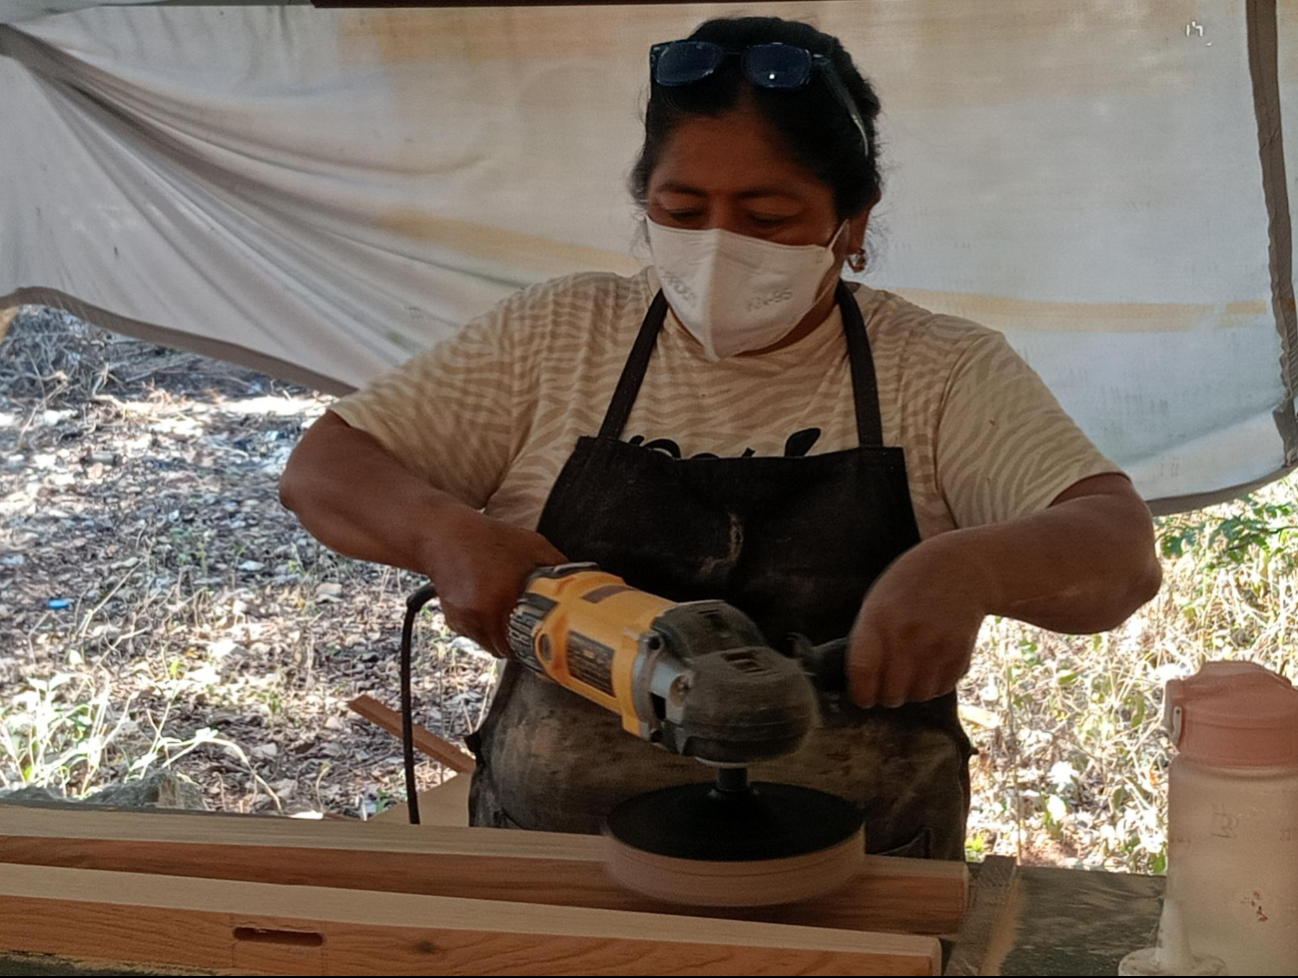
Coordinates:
(793, 542)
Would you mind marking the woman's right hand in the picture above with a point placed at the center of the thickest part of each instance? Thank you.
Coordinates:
(353, 495)
(479, 566)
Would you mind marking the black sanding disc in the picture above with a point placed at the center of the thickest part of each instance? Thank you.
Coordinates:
(766, 821)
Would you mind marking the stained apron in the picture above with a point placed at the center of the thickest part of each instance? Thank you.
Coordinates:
(795, 542)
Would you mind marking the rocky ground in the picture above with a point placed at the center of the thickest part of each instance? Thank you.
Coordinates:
(159, 608)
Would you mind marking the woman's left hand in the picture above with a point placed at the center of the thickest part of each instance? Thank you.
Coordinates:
(914, 638)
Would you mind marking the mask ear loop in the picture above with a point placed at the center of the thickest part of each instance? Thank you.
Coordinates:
(832, 276)
(837, 234)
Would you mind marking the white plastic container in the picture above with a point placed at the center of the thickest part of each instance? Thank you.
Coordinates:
(1233, 816)
(1171, 955)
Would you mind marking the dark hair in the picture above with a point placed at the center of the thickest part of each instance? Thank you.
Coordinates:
(817, 130)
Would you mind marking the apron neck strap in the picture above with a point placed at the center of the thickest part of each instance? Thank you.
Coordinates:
(865, 388)
(865, 385)
(628, 385)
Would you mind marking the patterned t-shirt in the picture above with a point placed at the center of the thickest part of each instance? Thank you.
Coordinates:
(492, 414)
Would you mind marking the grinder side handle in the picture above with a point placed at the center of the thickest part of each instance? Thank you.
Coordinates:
(826, 664)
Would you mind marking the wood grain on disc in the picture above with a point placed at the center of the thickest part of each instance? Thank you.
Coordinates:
(757, 883)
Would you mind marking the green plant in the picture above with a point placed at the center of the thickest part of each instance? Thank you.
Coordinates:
(58, 735)
(1224, 536)
(51, 741)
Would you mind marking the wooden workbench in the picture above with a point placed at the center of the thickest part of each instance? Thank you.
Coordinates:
(1067, 923)
(1075, 923)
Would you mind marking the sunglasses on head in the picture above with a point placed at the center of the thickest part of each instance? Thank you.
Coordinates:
(782, 67)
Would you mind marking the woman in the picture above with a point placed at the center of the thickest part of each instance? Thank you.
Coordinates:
(735, 422)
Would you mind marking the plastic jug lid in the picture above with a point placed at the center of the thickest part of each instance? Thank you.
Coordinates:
(1236, 714)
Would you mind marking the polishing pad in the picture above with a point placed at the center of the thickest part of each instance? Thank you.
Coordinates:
(758, 845)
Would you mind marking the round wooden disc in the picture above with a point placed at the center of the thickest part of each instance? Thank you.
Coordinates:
(759, 883)
(762, 845)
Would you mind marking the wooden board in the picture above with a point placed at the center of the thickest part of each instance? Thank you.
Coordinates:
(294, 930)
(493, 864)
(426, 742)
(1066, 922)
(447, 804)
(715, 883)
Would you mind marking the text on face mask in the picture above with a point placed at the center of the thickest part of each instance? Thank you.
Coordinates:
(678, 286)
(770, 299)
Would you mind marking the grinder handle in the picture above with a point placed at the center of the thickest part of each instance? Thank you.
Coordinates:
(826, 664)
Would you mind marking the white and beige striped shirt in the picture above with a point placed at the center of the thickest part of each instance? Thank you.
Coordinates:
(492, 414)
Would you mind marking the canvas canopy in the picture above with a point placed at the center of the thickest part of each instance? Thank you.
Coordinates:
(320, 193)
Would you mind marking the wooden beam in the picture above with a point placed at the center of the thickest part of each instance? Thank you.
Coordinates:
(492, 864)
(438, 748)
(294, 930)
(446, 804)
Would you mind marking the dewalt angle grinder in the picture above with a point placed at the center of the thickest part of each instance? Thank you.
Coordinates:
(698, 679)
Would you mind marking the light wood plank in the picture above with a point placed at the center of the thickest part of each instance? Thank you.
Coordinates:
(446, 804)
(493, 864)
(315, 931)
(426, 742)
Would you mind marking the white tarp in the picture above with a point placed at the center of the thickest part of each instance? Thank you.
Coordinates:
(322, 192)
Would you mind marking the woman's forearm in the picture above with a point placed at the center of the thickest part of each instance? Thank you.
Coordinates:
(356, 498)
(1084, 565)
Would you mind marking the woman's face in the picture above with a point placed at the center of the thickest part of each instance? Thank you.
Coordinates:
(730, 172)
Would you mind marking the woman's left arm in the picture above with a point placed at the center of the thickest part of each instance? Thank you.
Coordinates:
(1083, 564)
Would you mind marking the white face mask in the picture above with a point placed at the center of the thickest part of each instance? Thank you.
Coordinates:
(735, 293)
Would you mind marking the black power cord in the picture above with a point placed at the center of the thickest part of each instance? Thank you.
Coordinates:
(414, 604)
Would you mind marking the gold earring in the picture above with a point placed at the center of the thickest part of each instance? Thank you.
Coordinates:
(856, 260)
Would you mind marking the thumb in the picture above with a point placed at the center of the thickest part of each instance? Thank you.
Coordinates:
(864, 668)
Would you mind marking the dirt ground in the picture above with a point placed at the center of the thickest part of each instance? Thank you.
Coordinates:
(187, 620)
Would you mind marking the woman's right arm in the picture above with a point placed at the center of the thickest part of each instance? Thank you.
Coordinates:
(357, 498)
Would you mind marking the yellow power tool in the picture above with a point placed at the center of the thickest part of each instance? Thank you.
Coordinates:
(699, 679)
(696, 677)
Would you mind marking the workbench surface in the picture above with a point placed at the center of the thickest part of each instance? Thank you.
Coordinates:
(1074, 923)
(1069, 923)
